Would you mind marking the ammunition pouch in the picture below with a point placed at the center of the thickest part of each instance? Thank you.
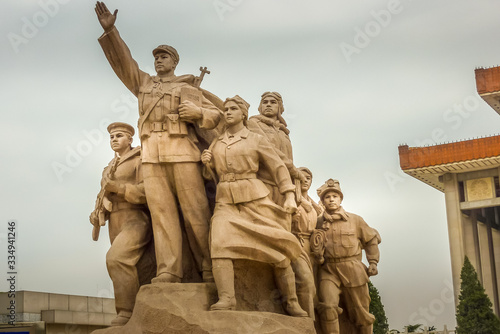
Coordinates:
(176, 127)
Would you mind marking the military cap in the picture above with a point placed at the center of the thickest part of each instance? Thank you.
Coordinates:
(168, 49)
(276, 95)
(123, 127)
(330, 185)
(278, 98)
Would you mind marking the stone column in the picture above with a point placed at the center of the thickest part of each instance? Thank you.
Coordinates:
(495, 235)
(485, 261)
(471, 241)
(455, 229)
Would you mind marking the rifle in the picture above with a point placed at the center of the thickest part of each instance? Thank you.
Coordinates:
(198, 80)
(102, 205)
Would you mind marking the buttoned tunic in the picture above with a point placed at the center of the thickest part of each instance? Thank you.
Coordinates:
(243, 154)
(129, 232)
(246, 223)
(158, 101)
(170, 156)
(343, 273)
(346, 238)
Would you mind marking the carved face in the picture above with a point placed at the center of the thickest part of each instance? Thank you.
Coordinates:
(119, 141)
(232, 113)
(332, 201)
(269, 107)
(164, 63)
(307, 183)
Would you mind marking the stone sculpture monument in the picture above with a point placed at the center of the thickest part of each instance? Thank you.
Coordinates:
(275, 254)
(338, 242)
(303, 224)
(271, 124)
(246, 224)
(122, 201)
(171, 113)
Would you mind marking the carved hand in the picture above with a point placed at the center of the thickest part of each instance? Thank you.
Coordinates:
(94, 218)
(106, 19)
(302, 176)
(188, 111)
(290, 206)
(296, 174)
(372, 270)
(206, 157)
(113, 186)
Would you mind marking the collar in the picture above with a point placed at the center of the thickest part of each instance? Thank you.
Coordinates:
(242, 134)
(130, 154)
(274, 123)
(188, 78)
(306, 204)
(338, 215)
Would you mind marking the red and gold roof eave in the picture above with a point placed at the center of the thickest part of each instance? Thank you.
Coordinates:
(428, 163)
(488, 86)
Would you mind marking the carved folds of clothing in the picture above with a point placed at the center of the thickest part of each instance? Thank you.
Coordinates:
(346, 238)
(274, 132)
(246, 223)
(129, 231)
(170, 156)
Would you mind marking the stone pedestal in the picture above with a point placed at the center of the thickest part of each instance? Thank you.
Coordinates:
(175, 308)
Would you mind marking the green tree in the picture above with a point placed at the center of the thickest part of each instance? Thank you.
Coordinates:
(413, 328)
(474, 311)
(380, 326)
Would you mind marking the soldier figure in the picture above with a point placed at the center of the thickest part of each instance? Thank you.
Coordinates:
(272, 125)
(246, 224)
(129, 224)
(173, 118)
(303, 224)
(342, 272)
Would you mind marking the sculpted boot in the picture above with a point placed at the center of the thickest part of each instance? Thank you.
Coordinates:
(121, 319)
(329, 316)
(224, 280)
(208, 276)
(285, 280)
(330, 327)
(306, 302)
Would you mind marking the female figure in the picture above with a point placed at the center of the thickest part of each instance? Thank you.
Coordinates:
(246, 224)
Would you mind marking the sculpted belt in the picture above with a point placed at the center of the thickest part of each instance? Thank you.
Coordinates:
(158, 126)
(173, 126)
(343, 259)
(231, 177)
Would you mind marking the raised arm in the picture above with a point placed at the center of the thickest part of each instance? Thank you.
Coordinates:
(117, 52)
(106, 19)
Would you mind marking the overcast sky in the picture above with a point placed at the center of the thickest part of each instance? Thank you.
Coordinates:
(358, 79)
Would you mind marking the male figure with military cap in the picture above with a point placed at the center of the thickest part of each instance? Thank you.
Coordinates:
(129, 223)
(342, 271)
(173, 119)
(271, 124)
